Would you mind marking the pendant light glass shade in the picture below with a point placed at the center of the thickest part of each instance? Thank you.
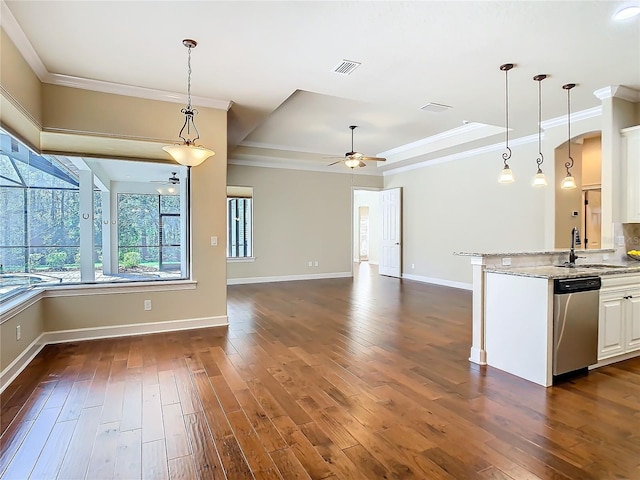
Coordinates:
(188, 153)
(539, 180)
(569, 182)
(506, 176)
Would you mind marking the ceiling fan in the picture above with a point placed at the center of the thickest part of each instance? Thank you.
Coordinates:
(172, 180)
(354, 159)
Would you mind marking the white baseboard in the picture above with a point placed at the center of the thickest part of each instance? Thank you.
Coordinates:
(20, 363)
(287, 278)
(438, 281)
(615, 359)
(80, 334)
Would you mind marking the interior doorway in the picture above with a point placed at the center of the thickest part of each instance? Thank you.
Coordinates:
(592, 201)
(367, 226)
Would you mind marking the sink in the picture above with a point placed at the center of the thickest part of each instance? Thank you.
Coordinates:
(591, 265)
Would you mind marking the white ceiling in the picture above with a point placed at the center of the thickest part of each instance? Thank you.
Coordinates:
(274, 61)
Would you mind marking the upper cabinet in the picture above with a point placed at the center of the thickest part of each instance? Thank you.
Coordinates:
(631, 151)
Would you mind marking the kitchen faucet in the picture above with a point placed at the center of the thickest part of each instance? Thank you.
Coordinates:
(572, 252)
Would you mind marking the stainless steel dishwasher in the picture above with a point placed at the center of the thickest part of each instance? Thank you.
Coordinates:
(575, 323)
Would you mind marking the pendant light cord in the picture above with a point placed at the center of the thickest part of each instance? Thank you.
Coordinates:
(189, 80)
(506, 155)
(569, 164)
(540, 159)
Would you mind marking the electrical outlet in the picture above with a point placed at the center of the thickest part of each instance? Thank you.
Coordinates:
(315, 264)
(310, 263)
(147, 304)
(413, 265)
(18, 332)
(506, 261)
(605, 256)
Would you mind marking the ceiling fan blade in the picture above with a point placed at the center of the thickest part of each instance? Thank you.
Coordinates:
(374, 159)
(334, 163)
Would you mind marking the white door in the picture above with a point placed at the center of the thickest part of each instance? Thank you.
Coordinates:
(391, 258)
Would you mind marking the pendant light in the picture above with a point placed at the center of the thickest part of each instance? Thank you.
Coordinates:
(569, 182)
(506, 176)
(539, 180)
(188, 153)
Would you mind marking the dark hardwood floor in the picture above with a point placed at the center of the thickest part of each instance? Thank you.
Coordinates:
(327, 379)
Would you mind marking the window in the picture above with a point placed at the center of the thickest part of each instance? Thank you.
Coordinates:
(239, 222)
(86, 220)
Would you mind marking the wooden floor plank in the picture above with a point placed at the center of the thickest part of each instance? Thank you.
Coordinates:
(326, 379)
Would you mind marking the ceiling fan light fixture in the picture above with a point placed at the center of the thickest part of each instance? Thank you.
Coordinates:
(352, 163)
(188, 153)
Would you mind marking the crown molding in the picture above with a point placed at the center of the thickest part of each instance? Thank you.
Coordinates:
(24, 46)
(575, 117)
(618, 91)
(16, 34)
(132, 91)
(275, 163)
(461, 155)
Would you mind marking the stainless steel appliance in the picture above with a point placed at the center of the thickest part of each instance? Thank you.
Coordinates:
(575, 323)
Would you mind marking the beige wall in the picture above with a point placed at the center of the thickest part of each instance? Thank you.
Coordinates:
(568, 201)
(31, 325)
(298, 216)
(93, 123)
(460, 206)
(21, 99)
(592, 161)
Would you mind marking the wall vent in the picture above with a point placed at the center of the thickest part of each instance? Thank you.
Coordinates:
(346, 67)
(434, 107)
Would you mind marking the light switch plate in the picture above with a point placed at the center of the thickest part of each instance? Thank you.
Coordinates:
(214, 241)
(506, 261)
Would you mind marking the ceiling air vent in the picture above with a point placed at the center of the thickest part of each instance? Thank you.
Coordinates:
(434, 107)
(346, 67)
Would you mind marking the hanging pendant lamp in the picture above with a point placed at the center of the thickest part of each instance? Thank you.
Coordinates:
(569, 182)
(539, 180)
(506, 176)
(188, 153)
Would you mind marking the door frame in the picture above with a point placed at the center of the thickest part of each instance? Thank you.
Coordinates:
(353, 190)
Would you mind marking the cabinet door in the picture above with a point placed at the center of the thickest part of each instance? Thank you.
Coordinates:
(631, 150)
(611, 328)
(632, 319)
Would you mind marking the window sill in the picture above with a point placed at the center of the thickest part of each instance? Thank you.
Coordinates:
(241, 259)
(24, 300)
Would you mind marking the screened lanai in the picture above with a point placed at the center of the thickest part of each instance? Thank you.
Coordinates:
(66, 220)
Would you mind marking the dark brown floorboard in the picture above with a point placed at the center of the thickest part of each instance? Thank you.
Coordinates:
(364, 378)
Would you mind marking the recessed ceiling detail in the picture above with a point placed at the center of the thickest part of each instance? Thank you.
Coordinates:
(346, 67)
(435, 107)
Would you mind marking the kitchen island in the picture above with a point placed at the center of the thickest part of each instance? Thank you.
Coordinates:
(513, 308)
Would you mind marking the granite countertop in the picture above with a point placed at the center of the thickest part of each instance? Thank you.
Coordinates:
(552, 271)
(529, 253)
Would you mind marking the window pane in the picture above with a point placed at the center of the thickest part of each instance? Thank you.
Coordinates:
(239, 226)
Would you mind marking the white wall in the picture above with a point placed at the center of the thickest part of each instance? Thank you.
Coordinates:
(371, 199)
(460, 206)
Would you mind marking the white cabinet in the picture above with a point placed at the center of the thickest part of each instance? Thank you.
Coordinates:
(619, 320)
(631, 153)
